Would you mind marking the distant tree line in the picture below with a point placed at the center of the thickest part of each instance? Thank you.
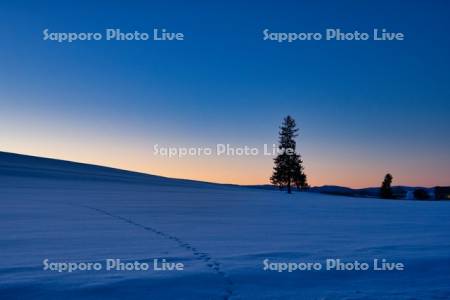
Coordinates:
(386, 191)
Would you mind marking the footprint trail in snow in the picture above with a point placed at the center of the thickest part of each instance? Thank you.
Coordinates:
(206, 258)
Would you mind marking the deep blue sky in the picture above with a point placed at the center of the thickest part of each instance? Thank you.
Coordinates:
(364, 108)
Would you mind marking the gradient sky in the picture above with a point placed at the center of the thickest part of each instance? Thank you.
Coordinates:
(363, 108)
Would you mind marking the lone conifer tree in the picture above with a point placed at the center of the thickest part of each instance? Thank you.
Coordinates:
(386, 190)
(288, 169)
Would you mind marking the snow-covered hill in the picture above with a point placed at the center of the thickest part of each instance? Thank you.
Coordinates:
(67, 212)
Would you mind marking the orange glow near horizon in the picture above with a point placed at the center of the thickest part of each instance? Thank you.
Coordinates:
(249, 171)
(324, 165)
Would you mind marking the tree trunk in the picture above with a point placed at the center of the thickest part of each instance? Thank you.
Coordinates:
(289, 187)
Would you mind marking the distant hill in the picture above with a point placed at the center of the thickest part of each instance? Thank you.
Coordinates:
(19, 165)
(371, 192)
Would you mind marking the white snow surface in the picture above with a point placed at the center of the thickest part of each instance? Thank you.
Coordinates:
(68, 212)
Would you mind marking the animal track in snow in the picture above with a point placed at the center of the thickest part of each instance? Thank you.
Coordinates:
(201, 256)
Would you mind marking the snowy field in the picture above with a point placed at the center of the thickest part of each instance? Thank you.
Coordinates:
(67, 212)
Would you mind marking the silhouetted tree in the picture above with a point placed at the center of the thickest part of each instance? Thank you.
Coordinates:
(300, 179)
(386, 190)
(277, 176)
(288, 169)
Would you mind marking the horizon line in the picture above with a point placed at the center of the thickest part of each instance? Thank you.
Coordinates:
(190, 179)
